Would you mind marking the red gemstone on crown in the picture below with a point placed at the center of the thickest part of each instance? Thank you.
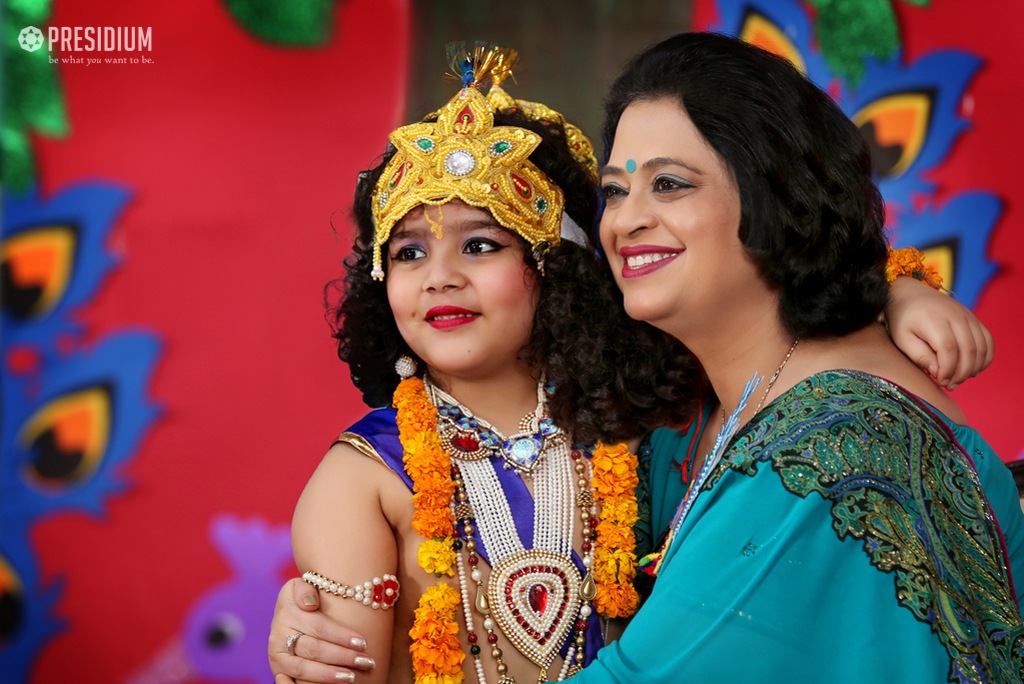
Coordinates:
(538, 598)
(466, 443)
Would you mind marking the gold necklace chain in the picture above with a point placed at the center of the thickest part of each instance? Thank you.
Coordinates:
(771, 383)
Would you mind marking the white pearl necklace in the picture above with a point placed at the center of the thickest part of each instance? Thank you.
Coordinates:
(553, 535)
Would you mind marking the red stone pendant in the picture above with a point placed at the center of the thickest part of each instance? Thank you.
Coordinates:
(538, 598)
(534, 597)
(465, 443)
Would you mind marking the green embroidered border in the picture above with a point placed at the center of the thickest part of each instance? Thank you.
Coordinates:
(898, 481)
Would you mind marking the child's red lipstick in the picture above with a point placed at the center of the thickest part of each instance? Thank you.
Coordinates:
(447, 317)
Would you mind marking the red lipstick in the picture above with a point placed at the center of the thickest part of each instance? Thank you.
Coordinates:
(635, 266)
(447, 317)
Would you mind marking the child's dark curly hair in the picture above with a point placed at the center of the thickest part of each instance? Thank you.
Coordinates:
(614, 377)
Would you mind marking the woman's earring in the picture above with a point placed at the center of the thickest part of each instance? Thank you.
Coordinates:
(405, 367)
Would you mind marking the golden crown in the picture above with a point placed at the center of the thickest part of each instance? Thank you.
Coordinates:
(463, 155)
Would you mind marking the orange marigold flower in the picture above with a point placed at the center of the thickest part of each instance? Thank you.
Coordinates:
(908, 261)
(610, 535)
(438, 678)
(616, 600)
(614, 565)
(614, 471)
(620, 509)
(433, 523)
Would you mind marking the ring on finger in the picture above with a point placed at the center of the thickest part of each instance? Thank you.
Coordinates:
(289, 642)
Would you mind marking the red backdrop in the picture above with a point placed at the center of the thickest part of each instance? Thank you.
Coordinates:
(238, 154)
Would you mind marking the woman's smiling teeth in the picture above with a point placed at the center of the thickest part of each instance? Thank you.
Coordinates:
(644, 259)
(447, 317)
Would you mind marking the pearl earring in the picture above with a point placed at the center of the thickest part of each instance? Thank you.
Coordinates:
(405, 367)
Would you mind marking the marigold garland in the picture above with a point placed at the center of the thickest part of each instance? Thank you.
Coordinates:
(430, 469)
(436, 652)
(615, 482)
(910, 262)
(437, 655)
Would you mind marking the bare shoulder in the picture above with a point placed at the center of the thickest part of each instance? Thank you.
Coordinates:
(347, 481)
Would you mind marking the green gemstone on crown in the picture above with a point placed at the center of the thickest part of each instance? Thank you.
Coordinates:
(542, 205)
(501, 147)
(425, 144)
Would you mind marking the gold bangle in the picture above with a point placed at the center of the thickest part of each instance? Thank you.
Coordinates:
(910, 262)
(380, 593)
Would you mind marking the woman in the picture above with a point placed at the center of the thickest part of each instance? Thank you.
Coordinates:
(844, 518)
(639, 187)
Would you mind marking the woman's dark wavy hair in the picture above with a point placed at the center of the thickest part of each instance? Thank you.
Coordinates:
(812, 216)
(614, 377)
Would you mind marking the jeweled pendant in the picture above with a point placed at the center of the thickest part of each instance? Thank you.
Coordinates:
(523, 452)
(462, 445)
(534, 597)
(466, 443)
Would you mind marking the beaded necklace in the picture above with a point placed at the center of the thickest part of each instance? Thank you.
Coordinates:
(536, 594)
(532, 595)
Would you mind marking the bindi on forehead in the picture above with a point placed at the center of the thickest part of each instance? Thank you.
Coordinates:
(650, 165)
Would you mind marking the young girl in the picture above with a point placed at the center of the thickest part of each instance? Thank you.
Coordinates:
(491, 299)
(508, 322)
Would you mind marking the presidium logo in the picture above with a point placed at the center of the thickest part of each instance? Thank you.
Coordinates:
(90, 39)
(30, 38)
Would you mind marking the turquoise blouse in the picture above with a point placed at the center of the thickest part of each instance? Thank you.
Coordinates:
(806, 557)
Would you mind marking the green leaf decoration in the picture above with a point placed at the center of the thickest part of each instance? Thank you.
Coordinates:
(33, 100)
(297, 23)
(850, 30)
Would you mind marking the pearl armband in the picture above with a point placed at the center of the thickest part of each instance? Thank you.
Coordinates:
(380, 593)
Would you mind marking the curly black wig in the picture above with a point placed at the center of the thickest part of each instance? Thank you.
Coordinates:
(812, 216)
(614, 377)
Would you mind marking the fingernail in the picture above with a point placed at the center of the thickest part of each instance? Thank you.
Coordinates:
(932, 370)
(357, 643)
(309, 600)
(952, 387)
(365, 663)
(345, 676)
